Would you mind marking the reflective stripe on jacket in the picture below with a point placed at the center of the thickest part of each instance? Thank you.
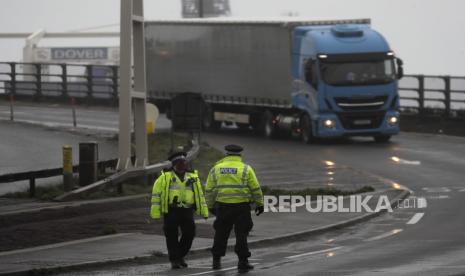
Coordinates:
(232, 181)
(168, 186)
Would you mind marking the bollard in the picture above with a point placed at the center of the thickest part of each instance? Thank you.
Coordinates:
(67, 168)
(12, 113)
(32, 187)
(88, 157)
(73, 108)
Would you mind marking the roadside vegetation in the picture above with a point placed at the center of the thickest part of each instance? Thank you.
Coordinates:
(267, 190)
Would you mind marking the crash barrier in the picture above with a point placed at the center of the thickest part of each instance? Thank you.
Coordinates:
(433, 95)
(419, 94)
(31, 176)
(122, 176)
(52, 81)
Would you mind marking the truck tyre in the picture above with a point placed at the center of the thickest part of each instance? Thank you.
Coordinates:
(306, 128)
(268, 128)
(243, 127)
(382, 138)
(168, 112)
(208, 122)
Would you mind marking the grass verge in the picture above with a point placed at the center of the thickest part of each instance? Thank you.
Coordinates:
(315, 192)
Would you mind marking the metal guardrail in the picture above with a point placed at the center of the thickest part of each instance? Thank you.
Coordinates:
(59, 81)
(433, 95)
(31, 176)
(419, 94)
(120, 177)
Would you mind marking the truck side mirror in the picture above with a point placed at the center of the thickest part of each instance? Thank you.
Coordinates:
(400, 68)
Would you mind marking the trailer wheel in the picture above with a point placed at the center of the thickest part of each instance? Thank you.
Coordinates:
(306, 127)
(382, 138)
(208, 122)
(268, 127)
(243, 127)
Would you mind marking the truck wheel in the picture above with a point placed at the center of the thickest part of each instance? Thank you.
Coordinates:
(243, 127)
(207, 119)
(268, 128)
(307, 132)
(382, 138)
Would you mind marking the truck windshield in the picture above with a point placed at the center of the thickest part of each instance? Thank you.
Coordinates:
(358, 73)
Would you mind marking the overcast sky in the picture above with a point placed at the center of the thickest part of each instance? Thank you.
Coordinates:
(427, 34)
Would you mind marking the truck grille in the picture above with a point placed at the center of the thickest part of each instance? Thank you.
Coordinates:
(362, 120)
(371, 103)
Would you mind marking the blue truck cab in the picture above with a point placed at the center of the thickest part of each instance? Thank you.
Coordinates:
(345, 82)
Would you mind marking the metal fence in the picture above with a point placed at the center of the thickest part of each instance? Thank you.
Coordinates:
(433, 95)
(50, 81)
(31, 176)
(419, 94)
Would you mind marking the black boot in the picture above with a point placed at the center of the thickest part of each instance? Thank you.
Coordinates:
(244, 266)
(175, 265)
(216, 262)
(182, 262)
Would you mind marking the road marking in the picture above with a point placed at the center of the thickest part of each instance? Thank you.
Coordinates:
(416, 218)
(439, 197)
(218, 270)
(52, 124)
(436, 189)
(314, 252)
(15, 112)
(406, 162)
(200, 266)
(202, 220)
(61, 244)
(385, 235)
(463, 190)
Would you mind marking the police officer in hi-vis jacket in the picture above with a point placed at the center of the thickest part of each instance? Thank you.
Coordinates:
(177, 194)
(231, 189)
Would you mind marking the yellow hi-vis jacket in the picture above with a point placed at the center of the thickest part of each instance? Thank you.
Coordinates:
(232, 181)
(188, 194)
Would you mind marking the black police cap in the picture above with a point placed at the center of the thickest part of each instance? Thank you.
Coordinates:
(233, 149)
(177, 156)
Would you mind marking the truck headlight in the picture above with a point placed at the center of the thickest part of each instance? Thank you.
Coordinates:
(393, 120)
(329, 123)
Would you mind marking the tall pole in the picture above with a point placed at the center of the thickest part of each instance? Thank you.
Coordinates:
(124, 138)
(140, 91)
(132, 52)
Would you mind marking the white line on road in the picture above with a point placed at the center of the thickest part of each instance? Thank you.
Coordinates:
(385, 235)
(439, 197)
(436, 189)
(7, 112)
(61, 244)
(315, 252)
(416, 218)
(406, 162)
(51, 124)
(463, 190)
(218, 270)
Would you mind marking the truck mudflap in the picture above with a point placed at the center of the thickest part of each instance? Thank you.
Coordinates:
(358, 124)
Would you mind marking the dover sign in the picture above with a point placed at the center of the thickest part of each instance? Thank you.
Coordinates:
(79, 53)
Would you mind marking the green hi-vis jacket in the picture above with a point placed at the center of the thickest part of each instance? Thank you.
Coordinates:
(188, 194)
(232, 181)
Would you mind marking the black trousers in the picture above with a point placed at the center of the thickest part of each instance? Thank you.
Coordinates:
(227, 217)
(176, 218)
